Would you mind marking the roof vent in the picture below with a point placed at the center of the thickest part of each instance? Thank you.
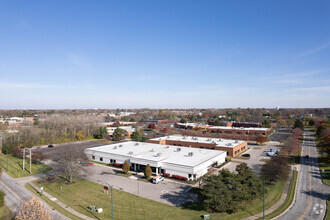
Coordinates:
(178, 149)
(229, 144)
(184, 137)
(130, 153)
(136, 144)
(152, 150)
(159, 154)
(115, 147)
(167, 147)
(120, 145)
(236, 141)
(213, 142)
(190, 154)
(220, 139)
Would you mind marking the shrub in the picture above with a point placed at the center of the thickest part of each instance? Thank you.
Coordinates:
(228, 158)
(126, 167)
(118, 165)
(147, 171)
(2, 198)
(167, 175)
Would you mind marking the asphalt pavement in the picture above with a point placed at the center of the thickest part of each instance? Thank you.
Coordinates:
(17, 195)
(311, 194)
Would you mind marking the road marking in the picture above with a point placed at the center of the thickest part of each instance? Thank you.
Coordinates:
(309, 186)
(2, 183)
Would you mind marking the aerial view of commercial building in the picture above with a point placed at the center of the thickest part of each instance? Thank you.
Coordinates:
(190, 163)
(232, 147)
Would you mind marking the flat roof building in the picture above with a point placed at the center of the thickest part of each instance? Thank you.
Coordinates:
(241, 133)
(232, 147)
(191, 126)
(128, 129)
(186, 162)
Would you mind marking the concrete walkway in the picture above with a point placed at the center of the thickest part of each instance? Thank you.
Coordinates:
(278, 204)
(64, 206)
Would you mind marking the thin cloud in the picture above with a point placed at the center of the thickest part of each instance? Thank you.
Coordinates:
(80, 60)
(13, 85)
(314, 89)
(314, 50)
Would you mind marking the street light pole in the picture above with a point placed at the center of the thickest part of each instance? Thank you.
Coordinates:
(263, 208)
(7, 160)
(42, 188)
(111, 204)
(23, 158)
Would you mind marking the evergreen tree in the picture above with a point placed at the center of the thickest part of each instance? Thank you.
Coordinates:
(147, 171)
(126, 167)
(119, 134)
(298, 124)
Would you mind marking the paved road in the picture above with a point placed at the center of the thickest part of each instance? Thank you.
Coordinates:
(169, 192)
(17, 195)
(310, 202)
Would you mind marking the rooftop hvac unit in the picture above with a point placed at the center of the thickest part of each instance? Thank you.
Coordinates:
(159, 154)
(184, 138)
(130, 153)
(152, 150)
(115, 147)
(167, 147)
(136, 144)
(229, 144)
(178, 149)
(213, 142)
(220, 139)
(120, 145)
(208, 139)
(190, 154)
(236, 141)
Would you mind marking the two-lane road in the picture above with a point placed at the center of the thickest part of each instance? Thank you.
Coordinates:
(311, 194)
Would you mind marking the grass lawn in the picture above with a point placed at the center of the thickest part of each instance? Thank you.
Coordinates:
(288, 200)
(327, 217)
(127, 206)
(265, 160)
(5, 212)
(52, 204)
(125, 174)
(324, 165)
(15, 166)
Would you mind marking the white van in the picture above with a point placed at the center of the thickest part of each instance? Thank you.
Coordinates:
(157, 179)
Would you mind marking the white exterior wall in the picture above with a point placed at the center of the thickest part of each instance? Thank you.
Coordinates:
(172, 169)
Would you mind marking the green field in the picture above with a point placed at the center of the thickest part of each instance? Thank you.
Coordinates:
(127, 206)
(5, 213)
(15, 166)
(325, 165)
(288, 200)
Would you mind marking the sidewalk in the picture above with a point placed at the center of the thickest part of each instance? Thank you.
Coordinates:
(278, 204)
(64, 206)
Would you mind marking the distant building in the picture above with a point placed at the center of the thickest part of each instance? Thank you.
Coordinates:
(155, 121)
(232, 147)
(239, 133)
(121, 123)
(190, 163)
(129, 130)
(191, 126)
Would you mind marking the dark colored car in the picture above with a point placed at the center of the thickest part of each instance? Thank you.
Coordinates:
(246, 155)
(307, 157)
(51, 146)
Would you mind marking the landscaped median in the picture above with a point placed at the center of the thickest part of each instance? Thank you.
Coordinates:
(83, 193)
(15, 166)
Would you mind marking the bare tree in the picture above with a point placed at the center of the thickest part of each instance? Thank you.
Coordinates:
(33, 210)
(70, 161)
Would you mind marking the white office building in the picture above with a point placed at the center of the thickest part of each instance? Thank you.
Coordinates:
(191, 163)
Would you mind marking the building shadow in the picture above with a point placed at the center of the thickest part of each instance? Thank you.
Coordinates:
(181, 196)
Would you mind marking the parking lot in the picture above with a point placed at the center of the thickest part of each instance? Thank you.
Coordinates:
(167, 191)
(256, 155)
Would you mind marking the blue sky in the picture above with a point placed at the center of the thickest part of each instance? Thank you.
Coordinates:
(164, 54)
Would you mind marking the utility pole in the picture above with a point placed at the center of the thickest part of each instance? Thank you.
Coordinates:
(7, 159)
(23, 158)
(30, 159)
(263, 208)
(111, 204)
(41, 188)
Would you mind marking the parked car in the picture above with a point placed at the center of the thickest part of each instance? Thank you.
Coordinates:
(307, 157)
(157, 179)
(51, 146)
(271, 154)
(246, 155)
